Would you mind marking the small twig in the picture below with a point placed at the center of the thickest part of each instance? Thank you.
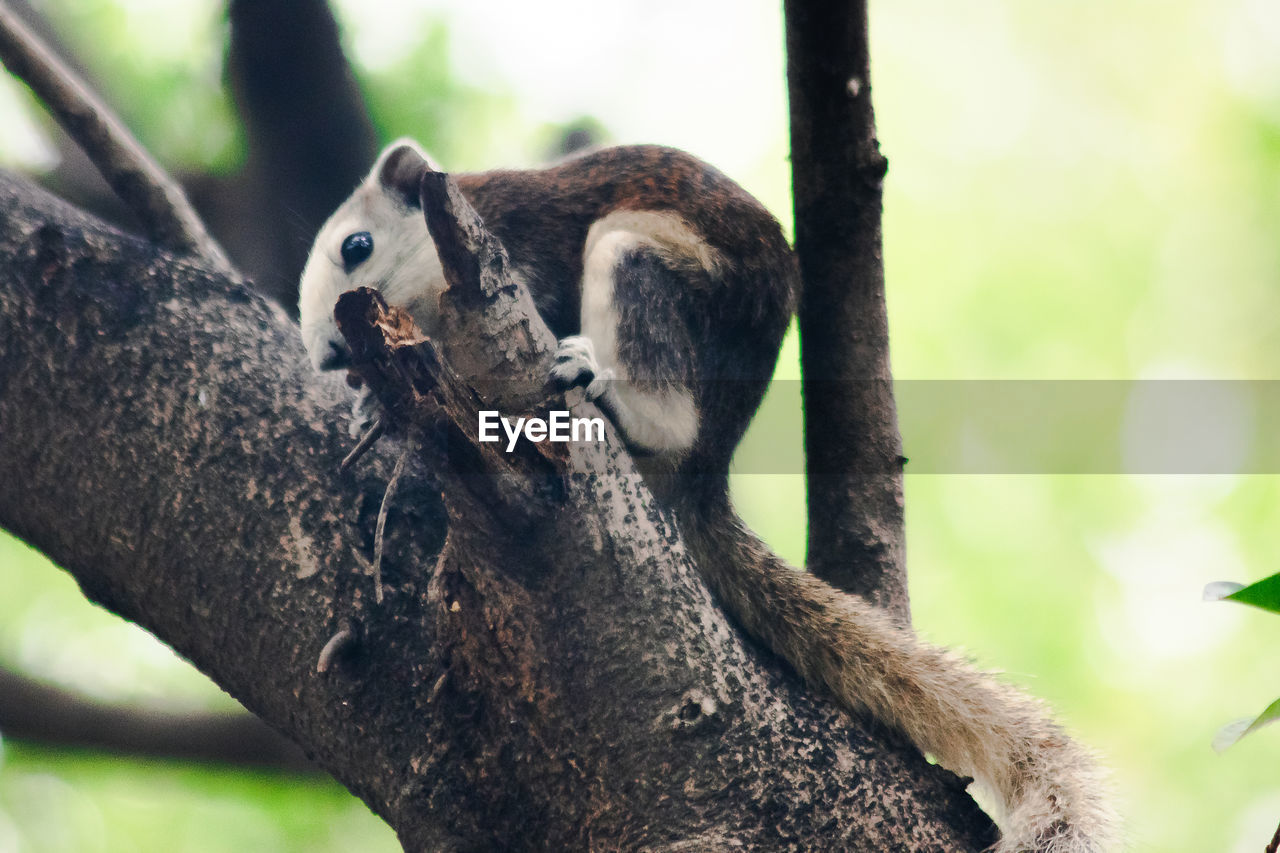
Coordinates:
(1275, 842)
(153, 196)
(382, 517)
(344, 638)
(367, 441)
(444, 677)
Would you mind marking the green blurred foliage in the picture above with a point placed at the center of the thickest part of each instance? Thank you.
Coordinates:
(59, 801)
(72, 801)
(160, 65)
(1077, 191)
(463, 125)
(1088, 191)
(1264, 593)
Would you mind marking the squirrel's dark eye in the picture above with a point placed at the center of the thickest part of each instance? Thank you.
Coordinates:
(356, 248)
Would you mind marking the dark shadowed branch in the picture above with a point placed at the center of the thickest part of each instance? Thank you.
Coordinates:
(308, 132)
(35, 711)
(852, 445)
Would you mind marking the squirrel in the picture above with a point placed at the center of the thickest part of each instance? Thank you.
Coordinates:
(669, 289)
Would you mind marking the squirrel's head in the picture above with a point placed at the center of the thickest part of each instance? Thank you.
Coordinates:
(378, 238)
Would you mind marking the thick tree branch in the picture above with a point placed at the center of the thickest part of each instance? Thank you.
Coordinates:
(31, 710)
(852, 445)
(157, 201)
(564, 683)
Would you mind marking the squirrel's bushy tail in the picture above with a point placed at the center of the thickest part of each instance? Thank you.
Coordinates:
(1052, 796)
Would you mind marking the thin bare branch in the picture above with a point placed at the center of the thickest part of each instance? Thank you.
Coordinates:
(379, 534)
(852, 446)
(154, 197)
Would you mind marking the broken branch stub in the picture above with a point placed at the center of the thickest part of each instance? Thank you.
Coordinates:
(493, 354)
(423, 397)
(490, 330)
(464, 246)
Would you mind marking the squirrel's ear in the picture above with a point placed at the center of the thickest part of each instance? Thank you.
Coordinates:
(399, 170)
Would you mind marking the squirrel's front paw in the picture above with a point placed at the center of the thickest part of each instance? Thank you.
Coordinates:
(576, 365)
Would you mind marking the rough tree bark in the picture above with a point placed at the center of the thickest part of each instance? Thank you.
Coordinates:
(564, 683)
(853, 450)
(36, 711)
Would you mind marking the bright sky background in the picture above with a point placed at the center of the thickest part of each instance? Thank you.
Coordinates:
(705, 76)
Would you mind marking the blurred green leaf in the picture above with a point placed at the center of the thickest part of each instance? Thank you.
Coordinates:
(1232, 732)
(1264, 594)
(1218, 590)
